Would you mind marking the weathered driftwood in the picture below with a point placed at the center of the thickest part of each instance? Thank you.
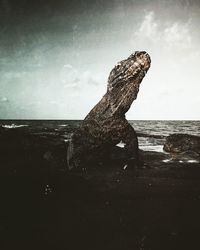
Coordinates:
(105, 125)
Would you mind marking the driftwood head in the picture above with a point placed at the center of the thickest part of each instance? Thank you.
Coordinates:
(136, 65)
(124, 80)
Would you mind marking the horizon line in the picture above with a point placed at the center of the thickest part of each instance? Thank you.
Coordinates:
(47, 119)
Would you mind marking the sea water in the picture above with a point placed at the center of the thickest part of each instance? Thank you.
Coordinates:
(151, 134)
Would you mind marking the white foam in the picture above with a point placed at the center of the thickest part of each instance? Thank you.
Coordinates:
(193, 161)
(181, 161)
(121, 144)
(154, 148)
(14, 126)
(166, 160)
(64, 125)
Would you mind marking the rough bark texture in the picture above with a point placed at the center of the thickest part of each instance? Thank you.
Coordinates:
(105, 125)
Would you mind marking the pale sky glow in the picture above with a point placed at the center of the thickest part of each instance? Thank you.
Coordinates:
(60, 71)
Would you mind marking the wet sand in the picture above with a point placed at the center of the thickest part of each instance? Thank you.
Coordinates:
(44, 206)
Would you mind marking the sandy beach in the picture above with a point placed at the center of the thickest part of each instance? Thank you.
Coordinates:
(45, 206)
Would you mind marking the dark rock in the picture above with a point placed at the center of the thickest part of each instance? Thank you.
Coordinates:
(153, 157)
(1, 130)
(179, 143)
(22, 152)
(105, 125)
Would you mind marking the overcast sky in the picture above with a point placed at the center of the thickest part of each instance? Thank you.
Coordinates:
(55, 56)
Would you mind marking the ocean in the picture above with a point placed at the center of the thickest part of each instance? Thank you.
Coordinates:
(151, 134)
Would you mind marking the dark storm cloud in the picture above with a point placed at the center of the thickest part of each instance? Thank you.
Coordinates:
(24, 23)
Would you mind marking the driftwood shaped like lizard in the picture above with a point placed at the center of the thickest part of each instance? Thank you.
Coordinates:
(105, 125)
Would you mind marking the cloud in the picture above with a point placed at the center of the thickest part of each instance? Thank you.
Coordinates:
(171, 35)
(148, 27)
(178, 35)
(69, 66)
(76, 79)
(4, 99)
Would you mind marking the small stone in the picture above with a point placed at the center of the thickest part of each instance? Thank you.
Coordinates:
(125, 167)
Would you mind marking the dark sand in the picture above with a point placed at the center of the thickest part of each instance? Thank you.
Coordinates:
(44, 206)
